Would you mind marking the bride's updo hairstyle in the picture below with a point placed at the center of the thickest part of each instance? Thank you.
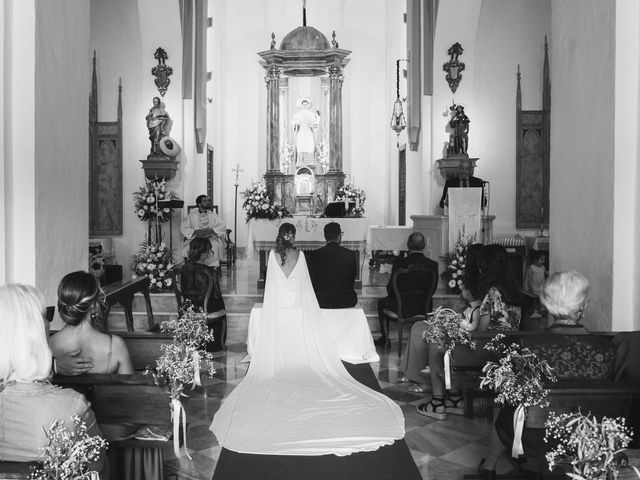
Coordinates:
(78, 294)
(285, 239)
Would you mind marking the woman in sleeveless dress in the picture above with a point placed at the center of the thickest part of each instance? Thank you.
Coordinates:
(297, 397)
(79, 298)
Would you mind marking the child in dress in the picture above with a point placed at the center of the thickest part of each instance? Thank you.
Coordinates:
(535, 278)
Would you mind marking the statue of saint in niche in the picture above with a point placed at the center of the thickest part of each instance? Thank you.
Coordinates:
(305, 123)
(158, 123)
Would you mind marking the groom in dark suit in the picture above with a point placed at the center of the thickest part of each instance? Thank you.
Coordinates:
(333, 271)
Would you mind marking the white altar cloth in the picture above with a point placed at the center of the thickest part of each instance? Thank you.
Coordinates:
(261, 234)
(348, 328)
(389, 237)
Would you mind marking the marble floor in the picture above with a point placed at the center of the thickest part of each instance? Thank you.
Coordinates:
(441, 449)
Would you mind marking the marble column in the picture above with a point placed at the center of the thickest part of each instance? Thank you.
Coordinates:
(335, 118)
(272, 79)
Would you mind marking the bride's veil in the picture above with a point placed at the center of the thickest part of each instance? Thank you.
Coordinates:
(297, 397)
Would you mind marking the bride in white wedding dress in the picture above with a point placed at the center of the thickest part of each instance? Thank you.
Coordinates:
(297, 397)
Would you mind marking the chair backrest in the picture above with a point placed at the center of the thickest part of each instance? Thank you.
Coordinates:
(414, 287)
(191, 208)
(189, 285)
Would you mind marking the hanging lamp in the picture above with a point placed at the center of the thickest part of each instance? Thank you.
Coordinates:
(398, 120)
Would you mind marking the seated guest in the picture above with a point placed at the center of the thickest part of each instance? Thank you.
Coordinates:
(79, 299)
(569, 348)
(333, 270)
(195, 279)
(415, 246)
(28, 402)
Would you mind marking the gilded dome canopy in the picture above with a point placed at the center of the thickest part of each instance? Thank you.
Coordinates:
(304, 38)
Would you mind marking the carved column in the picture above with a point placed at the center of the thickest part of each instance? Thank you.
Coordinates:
(272, 79)
(335, 118)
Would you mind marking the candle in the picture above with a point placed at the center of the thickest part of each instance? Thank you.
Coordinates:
(346, 203)
(357, 203)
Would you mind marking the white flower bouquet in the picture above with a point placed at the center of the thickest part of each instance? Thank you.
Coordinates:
(70, 453)
(456, 261)
(592, 448)
(146, 200)
(349, 192)
(444, 328)
(257, 203)
(154, 260)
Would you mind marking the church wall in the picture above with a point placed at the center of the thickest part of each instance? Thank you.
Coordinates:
(496, 35)
(18, 138)
(582, 147)
(368, 94)
(125, 35)
(62, 81)
(626, 229)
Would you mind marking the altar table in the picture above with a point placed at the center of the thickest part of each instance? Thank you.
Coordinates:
(348, 328)
(261, 237)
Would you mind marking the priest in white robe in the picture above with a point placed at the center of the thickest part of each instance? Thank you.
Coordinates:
(205, 223)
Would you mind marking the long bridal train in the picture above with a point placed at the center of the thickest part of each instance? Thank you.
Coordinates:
(297, 397)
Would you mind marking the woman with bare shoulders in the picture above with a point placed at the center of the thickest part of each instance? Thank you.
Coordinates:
(79, 298)
(297, 397)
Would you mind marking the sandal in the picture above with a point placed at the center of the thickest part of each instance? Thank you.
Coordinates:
(434, 408)
(454, 404)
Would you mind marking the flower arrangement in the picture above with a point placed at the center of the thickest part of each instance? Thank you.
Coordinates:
(444, 328)
(146, 201)
(455, 261)
(592, 448)
(351, 193)
(153, 261)
(69, 453)
(180, 362)
(519, 376)
(257, 203)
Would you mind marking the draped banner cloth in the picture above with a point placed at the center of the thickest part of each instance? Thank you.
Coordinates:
(464, 215)
(297, 397)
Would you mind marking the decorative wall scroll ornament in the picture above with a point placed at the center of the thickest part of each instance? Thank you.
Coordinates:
(398, 120)
(454, 67)
(161, 71)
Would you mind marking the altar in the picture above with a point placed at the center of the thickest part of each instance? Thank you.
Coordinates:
(261, 237)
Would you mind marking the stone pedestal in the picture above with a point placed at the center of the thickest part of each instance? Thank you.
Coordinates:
(159, 166)
(457, 166)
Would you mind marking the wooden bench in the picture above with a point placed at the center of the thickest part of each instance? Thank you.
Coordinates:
(16, 470)
(144, 347)
(565, 395)
(122, 293)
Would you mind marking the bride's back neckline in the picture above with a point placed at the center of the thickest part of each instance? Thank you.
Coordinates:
(290, 262)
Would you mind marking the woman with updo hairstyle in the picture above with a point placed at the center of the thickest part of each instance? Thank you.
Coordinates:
(28, 402)
(284, 244)
(195, 278)
(79, 303)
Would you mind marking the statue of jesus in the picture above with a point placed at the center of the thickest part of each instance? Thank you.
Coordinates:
(305, 123)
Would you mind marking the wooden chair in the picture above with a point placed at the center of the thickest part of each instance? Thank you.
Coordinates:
(412, 284)
(181, 295)
(230, 248)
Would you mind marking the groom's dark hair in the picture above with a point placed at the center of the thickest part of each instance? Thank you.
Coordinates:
(332, 231)
(415, 242)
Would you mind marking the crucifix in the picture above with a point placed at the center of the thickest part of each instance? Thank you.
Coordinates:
(237, 171)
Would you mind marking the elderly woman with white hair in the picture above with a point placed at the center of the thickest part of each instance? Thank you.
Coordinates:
(28, 402)
(565, 295)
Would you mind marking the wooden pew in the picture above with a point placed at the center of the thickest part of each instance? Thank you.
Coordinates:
(124, 399)
(144, 347)
(16, 470)
(467, 367)
(122, 293)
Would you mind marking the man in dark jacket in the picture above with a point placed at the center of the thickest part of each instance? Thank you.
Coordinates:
(333, 271)
(415, 246)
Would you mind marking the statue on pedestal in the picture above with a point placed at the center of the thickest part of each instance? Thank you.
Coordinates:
(158, 123)
(305, 123)
(459, 139)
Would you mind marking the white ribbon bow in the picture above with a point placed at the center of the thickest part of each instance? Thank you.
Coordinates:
(447, 370)
(196, 370)
(518, 426)
(178, 413)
